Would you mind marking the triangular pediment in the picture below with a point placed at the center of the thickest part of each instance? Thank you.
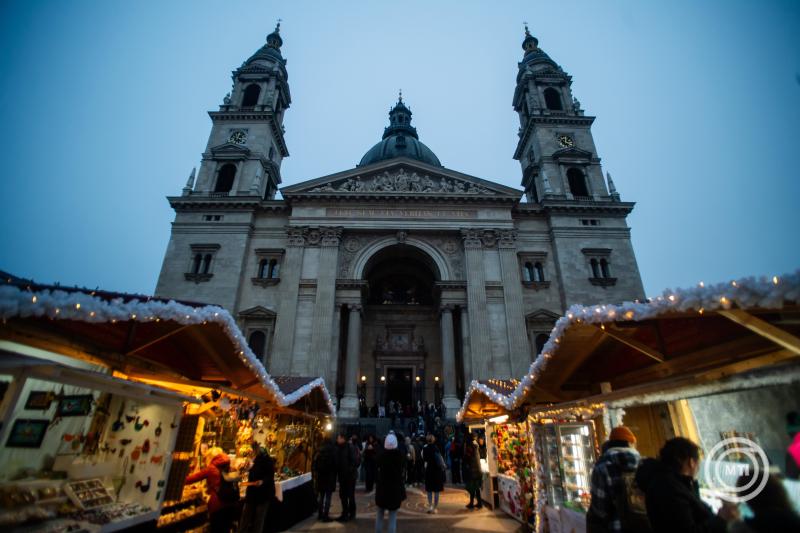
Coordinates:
(402, 177)
(572, 153)
(257, 312)
(230, 149)
(542, 315)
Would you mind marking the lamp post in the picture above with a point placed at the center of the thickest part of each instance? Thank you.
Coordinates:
(437, 392)
(380, 391)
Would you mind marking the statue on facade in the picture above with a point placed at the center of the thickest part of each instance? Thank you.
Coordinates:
(227, 99)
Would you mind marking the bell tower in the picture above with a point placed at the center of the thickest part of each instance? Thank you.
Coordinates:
(246, 145)
(555, 149)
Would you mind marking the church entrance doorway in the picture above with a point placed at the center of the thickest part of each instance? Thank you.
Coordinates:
(399, 385)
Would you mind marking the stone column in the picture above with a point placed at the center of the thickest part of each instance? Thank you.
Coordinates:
(519, 349)
(450, 401)
(349, 405)
(321, 332)
(478, 312)
(281, 360)
(333, 362)
(466, 354)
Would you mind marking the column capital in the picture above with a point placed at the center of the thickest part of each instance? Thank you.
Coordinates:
(294, 236)
(355, 307)
(446, 308)
(331, 235)
(471, 237)
(508, 238)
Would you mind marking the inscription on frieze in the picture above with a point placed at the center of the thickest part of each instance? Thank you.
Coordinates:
(400, 212)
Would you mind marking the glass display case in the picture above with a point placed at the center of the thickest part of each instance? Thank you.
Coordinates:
(569, 457)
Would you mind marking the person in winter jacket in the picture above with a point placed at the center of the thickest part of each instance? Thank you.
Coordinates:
(607, 484)
(473, 475)
(773, 511)
(324, 469)
(672, 494)
(434, 472)
(220, 512)
(389, 490)
(370, 456)
(260, 491)
(346, 473)
(411, 461)
(455, 452)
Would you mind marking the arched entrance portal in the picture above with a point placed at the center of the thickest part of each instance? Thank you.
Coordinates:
(401, 358)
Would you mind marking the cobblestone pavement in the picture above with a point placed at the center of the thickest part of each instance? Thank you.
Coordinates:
(452, 516)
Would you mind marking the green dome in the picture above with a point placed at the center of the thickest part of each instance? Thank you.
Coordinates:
(400, 139)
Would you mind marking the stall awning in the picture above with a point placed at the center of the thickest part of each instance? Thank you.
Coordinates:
(134, 334)
(685, 337)
(487, 398)
(306, 394)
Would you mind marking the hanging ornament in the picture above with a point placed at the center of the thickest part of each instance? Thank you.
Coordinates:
(136, 453)
(130, 418)
(118, 423)
(137, 426)
(142, 486)
(158, 430)
(146, 446)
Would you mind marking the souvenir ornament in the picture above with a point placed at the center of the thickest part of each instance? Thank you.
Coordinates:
(158, 430)
(125, 442)
(138, 427)
(136, 453)
(156, 460)
(118, 423)
(130, 418)
(143, 487)
(146, 446)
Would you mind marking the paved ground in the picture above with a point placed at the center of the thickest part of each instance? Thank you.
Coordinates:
(452, 517)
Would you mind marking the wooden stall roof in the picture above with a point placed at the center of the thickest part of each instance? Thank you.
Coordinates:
(487, 399)
(305, 394)
(668, 350)
(134, 334)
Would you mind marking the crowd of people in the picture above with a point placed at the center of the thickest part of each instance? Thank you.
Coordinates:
(661, 495)
(412, 417)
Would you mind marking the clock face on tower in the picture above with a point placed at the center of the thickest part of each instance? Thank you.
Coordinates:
(238, 137)
(566, 141)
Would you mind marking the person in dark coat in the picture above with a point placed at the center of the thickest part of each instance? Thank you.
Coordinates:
(772, 510)
(473, 475)
(608, 487)
(672, 495)
(434, 472)
(260, 491)
(346, 473)
(390, 489)
(325, 478)
(370, 465)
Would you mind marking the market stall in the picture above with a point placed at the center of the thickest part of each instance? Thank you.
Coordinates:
(220, 394)
(705, 363)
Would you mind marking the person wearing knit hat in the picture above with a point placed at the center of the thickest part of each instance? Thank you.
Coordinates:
(389, 483)
(608, 487)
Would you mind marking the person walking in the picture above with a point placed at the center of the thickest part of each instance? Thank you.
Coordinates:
(435, 469)
(672, 495)
(325, 478)
(610, 510)
(346, 473)
(222, 497)
(370, 457)
(260, 491)
(473, 475)
(456, 453)
(390, 490)
(411, 461)
(772, 509)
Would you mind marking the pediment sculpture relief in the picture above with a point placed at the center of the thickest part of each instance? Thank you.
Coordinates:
(402, 181)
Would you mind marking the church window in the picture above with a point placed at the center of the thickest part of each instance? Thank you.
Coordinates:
(604, 268)
(595, 268)
(274, 269)
(538, 272)
(263, 267)
(541, 340)
(198, 259)
(553, 100)
(207, 264)
(251, 94)
(257, 343)
(577, 183)
(528, 272)
(225, 178)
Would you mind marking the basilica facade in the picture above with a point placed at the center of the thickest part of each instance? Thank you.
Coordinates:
(400, 278)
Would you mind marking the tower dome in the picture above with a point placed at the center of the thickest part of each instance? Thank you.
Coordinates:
(400, 139)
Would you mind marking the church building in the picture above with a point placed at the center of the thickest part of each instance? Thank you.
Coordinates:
(400, 278)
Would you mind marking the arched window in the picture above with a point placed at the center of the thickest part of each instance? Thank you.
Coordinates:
(257, 343)
(577, 183)
(262, 268)
(538, 272)
(527, 272)
(595, 268)
(541, 340)
(251, 93)
(207, 264)
(225, 178)
(604, 268)
(273, 268)
(552, 99)
(198, 259)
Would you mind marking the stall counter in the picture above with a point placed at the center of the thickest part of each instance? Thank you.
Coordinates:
(508, 490)
(289, 484)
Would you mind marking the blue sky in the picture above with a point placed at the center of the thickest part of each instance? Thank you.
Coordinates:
(103, 114)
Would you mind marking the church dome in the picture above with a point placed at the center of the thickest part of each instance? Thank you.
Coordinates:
(400, 139)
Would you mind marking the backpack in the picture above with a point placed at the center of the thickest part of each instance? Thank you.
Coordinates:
(630, 503)
(228, 491)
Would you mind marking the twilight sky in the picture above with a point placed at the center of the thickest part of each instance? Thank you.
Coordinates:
(103, 114)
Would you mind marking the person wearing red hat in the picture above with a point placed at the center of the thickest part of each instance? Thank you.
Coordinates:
(611, 509)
